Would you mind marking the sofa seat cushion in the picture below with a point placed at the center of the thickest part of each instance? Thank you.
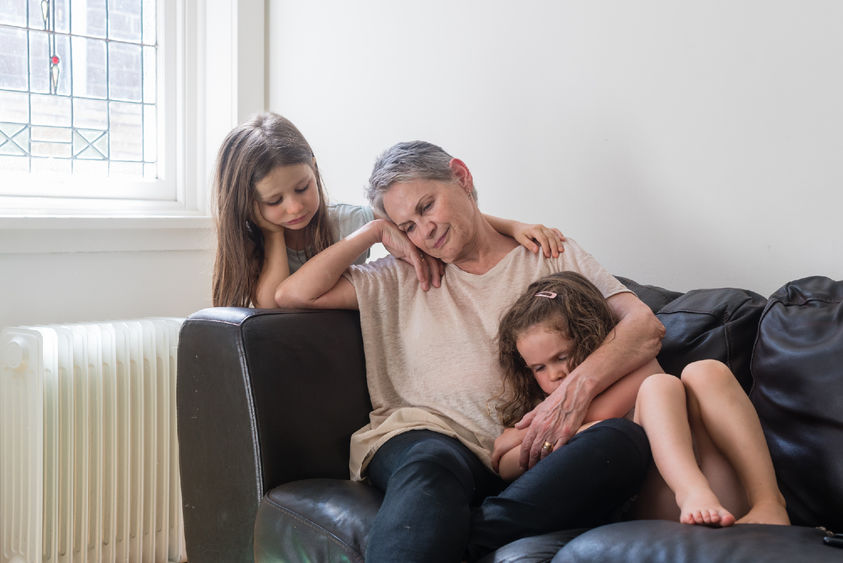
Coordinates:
(315, 520)
(797, 365)
(660, 540)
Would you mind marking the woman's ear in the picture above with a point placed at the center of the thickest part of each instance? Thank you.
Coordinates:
(462, 175)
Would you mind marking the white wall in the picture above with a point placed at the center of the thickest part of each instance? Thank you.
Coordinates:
(686, 144)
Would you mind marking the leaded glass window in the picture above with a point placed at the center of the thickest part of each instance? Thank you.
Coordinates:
(78, 88)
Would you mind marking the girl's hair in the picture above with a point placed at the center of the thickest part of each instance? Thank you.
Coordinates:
(407, 161)
(248, 153)
(570, 304)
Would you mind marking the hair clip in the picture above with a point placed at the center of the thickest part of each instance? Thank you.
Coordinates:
(548, 294)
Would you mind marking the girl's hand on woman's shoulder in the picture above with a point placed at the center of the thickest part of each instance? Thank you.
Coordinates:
(535, 237)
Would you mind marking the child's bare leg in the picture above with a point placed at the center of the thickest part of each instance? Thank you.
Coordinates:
(716, 397)
(661, 409)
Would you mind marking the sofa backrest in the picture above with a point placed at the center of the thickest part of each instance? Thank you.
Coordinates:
(797, 366)
(701, 324)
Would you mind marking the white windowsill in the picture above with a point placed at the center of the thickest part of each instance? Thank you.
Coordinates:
(46, 235)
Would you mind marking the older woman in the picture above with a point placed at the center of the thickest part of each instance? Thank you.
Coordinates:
(434, 380)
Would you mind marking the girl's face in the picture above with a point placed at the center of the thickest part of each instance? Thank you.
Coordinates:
(545, 350)
(288, 196)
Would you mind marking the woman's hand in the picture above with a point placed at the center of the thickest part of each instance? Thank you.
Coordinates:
(429, 270)
(553, 421)
(533, 237)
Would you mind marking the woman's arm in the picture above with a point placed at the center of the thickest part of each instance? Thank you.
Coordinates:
(635, 341)
(319, 284)
(531, 237)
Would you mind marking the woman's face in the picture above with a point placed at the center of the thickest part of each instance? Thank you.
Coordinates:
(438, 217)
(545, 350)
(288, 196)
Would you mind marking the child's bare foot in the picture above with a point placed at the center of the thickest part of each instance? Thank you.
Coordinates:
(703, 507)
(766, 513)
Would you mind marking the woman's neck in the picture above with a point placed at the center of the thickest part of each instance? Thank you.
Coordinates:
(487, 249)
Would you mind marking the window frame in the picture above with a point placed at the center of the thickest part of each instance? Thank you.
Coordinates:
(211, 94)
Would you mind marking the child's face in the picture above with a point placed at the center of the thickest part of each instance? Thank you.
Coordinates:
(545, 350)
(288, 196)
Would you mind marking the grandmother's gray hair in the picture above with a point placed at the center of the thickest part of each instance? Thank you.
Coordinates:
(407, 161)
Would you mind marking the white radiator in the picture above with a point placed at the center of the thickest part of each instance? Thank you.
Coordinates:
(88, 451)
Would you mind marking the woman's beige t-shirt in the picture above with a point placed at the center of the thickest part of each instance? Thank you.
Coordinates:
(431, 357)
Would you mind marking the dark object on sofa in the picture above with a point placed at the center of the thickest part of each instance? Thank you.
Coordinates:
(268, 399)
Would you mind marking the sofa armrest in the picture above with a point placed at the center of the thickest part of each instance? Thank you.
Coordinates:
(264, 397)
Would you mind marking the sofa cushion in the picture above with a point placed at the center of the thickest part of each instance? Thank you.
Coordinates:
(704, 324)
(797, 364)
(660, 540)
(315, 520)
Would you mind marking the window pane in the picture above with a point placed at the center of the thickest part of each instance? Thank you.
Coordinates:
(51, 142)
(89, 18)
(41, 71)
(50, 110)
(93, 168)
(13, 12)
(124, 20)
(149, 74)
(126, 132)
(127, 169)
(14, 139)
(51, 166)
(124, 71)
(14, 107)
(14, 163)
(90, 144)
(150, 138)
(149, 24)
(90, 114)
(61, 10)
(56, 12)
(89, 68)
(12, 58)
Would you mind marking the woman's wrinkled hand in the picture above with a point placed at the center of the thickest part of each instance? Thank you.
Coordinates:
(553, 421)
(535, 237)
(429, 270)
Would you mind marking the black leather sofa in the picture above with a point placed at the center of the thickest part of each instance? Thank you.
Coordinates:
(267, 400)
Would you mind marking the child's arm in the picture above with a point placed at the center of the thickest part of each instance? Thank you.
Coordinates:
(531, 237)
(619, 398)
(505, 455)
(275, 269)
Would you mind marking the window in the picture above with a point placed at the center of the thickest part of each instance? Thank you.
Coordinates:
(89, 115)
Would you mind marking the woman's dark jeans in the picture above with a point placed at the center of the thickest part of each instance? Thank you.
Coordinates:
(442, 504)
